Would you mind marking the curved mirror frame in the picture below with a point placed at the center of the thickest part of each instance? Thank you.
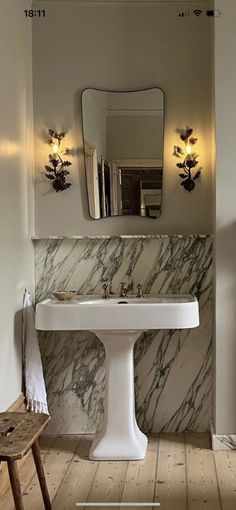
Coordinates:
(123, 136)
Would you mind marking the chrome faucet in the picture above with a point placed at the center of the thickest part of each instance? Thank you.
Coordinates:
(123, 290)
(139, 291)
(105, 292)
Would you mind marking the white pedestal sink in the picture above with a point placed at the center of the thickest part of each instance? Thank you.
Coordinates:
(118, 322)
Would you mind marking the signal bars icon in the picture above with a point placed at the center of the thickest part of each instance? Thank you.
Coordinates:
(183, 14)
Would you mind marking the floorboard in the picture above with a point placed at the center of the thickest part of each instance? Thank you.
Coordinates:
(56, 464)
(202, 486)
(180, 471)
(139, 484)
(225, 462)
(171, 484)
(78, 480)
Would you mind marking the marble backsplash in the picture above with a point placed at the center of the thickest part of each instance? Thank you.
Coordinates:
(173, 368)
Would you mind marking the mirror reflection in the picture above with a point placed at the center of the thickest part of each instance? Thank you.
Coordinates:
(123, 148)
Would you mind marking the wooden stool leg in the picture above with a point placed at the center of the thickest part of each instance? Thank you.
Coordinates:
(15, 484)
(41, 475)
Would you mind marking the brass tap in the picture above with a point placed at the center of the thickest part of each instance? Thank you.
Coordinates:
(105, 293)
(123, 290)
(140, 291)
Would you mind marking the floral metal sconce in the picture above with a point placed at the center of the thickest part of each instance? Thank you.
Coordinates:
(57, 172)
(190, 160)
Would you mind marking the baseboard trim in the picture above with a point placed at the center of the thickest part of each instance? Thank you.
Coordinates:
(222, 441)
(19, 406)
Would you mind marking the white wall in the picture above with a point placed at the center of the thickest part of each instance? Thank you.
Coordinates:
(16, 211)
(225, 79)
(120, 46)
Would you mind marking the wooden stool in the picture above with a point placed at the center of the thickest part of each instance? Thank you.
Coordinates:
(18, 433)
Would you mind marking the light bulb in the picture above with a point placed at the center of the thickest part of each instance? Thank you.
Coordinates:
(55, 148)
(188, 149)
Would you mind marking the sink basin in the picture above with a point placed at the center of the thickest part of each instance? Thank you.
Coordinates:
(161, 311)
(118, 322)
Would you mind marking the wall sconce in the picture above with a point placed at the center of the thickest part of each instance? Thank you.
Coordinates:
(190, 160)
(57, 171)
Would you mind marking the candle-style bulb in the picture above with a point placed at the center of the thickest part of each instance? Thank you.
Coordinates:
(188, 148)
(55, 148)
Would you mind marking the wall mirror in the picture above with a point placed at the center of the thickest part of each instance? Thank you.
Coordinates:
(123, 149)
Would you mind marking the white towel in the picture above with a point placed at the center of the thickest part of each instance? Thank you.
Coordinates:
(36, 396)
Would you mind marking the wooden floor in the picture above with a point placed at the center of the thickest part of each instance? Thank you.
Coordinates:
(179, 471)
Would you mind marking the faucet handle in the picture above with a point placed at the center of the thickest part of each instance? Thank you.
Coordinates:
(105, 293)
(140, 291)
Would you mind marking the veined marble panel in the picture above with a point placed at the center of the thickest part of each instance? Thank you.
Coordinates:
(173, 368)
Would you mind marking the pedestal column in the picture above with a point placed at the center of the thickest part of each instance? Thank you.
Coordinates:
(120, 437)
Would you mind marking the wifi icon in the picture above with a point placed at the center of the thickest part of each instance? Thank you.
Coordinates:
(198, 12)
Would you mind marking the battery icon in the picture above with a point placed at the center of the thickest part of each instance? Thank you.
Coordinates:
(213, 13)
